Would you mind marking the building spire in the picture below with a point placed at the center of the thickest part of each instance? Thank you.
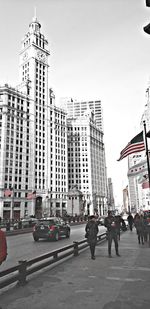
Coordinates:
(36, 27)
(35, 18)
(35, 11)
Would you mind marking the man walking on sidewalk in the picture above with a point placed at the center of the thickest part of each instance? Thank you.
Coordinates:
(112, 232)
(130, 221)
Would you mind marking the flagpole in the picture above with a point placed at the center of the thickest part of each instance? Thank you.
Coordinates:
(129, 210)
(147, 155)
(12, 206)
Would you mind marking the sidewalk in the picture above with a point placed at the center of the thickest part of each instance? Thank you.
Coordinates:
(78, 283)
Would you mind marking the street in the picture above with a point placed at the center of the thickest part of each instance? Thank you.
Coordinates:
(23, 247)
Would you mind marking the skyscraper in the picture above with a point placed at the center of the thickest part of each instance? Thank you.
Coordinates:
(33, 137)
(33, 70)
(86, 153)
(77, 108)
(14, 152)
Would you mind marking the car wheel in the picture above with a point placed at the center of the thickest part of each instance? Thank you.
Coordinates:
(56, 236)
(36, 238)
(68, 234)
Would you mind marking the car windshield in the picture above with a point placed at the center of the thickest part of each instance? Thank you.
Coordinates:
(47, 222)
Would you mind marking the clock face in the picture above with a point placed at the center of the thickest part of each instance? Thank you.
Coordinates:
(25, 56)
(41, 56)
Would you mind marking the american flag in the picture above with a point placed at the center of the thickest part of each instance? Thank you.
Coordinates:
(135, 145)
(31, 195)
(8, 192)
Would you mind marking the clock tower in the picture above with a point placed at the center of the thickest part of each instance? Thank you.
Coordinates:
(33, 73)
(33, 65)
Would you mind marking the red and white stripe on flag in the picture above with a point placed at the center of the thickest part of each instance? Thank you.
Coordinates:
(31, 195)
(8, 192)
(145, 185)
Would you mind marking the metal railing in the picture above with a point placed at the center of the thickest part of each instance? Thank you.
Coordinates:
(20, 272)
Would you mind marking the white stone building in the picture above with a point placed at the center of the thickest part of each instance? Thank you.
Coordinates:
(33, 137)
(86, 161)
(139, 198)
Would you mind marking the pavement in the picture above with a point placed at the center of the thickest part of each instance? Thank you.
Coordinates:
(79, 282)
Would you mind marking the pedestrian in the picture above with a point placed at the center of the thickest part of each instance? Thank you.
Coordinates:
(118, 225)
(91, 230)
(112, 232)
(3, 247)
(123, 225)
(139, 225)
(145, 221)
(8, 225)
(130, 221)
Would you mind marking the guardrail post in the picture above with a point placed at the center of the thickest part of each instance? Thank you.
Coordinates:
(55, 255)
(99, 237)
(76, 248)
(22, 272)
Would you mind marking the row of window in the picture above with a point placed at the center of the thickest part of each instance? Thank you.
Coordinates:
(40, 42)
(77, 129)
(77, 171)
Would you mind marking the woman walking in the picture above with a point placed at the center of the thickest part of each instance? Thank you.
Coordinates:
(91, 234)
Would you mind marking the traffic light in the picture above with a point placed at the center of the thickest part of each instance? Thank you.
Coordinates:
(147, 28)
(148, 134)
(148, 3)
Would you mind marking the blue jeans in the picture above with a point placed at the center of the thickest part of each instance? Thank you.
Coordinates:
(112, 236)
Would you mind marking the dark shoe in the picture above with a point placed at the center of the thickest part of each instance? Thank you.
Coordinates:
(118, 254)
(110, 256)
(93, 257)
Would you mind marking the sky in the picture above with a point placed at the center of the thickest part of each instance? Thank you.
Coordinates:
(98, 51)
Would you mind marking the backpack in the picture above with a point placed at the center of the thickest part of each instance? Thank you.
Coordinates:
(91, 230)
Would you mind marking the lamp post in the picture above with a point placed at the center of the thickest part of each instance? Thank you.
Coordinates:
(147, 153)
(147, 30)
(72, 205)
(12, 203)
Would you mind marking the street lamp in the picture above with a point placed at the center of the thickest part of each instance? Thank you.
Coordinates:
(147, 152)
(147, 28)
(72, 206)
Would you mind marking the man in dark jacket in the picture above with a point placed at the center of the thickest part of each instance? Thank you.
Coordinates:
(130, 221)
(112, 232)
(92, 231)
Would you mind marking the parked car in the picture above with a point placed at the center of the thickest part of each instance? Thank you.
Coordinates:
(24, 223)
(28, 222)
(101, 220)
(51, 228)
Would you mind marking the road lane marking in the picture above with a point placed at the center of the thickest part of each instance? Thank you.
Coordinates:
(84, 291)
(124, 279)
(130, 268)
(121, 248)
